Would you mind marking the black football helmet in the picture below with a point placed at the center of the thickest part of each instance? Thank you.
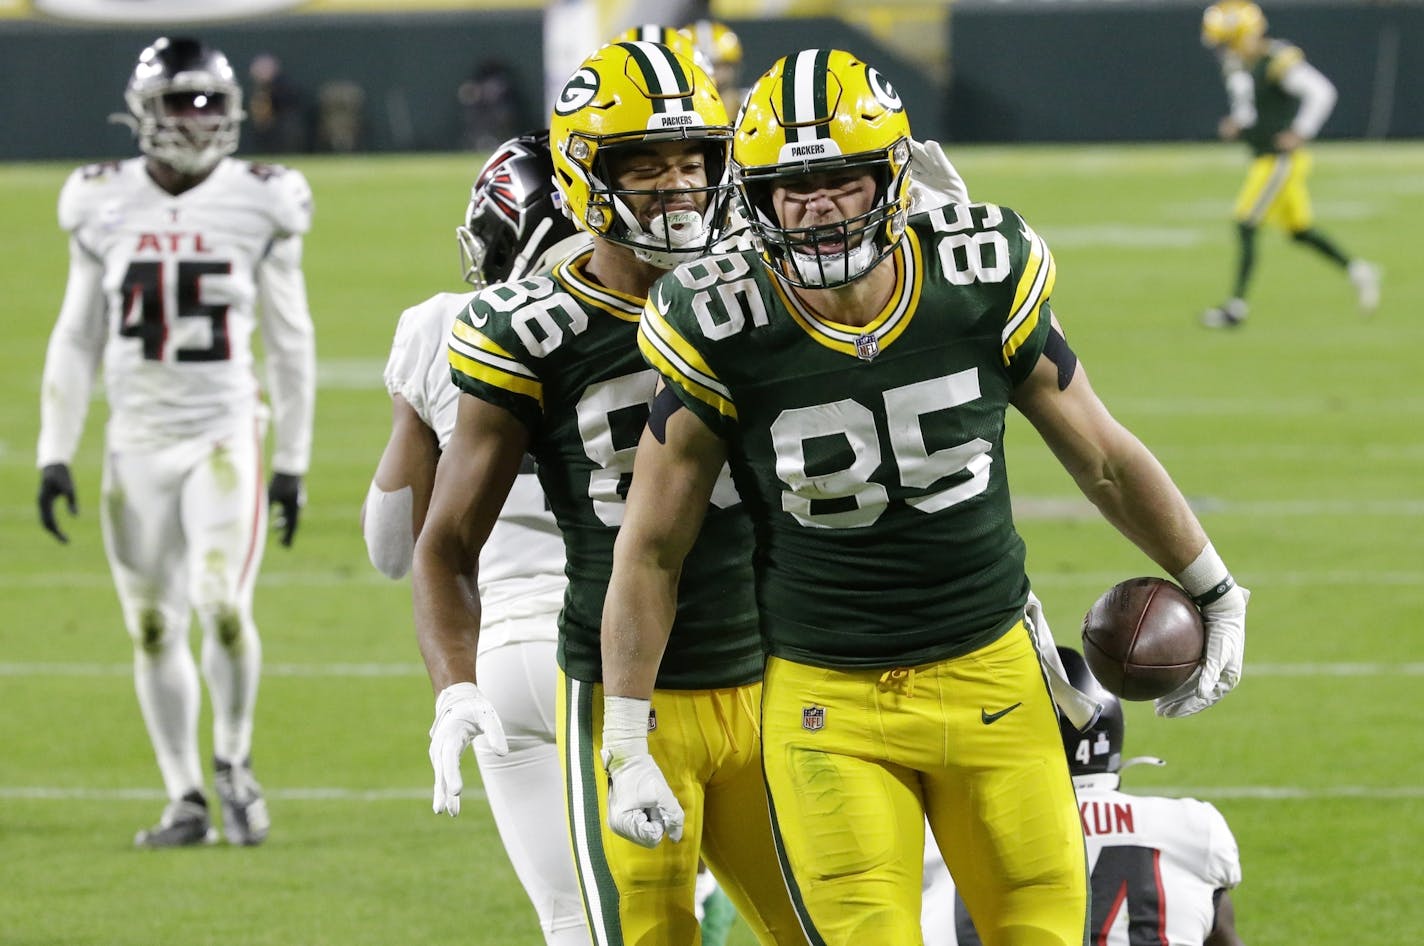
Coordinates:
(1099, 747)
(514, 216)
(184, 104)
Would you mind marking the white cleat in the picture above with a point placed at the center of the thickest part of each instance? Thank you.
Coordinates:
(1229, 314)
(1366, 279)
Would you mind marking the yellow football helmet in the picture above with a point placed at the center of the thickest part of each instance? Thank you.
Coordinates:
(817, 111)
(638, 94)
(679, 41)
(723, 50)
(1233, 25)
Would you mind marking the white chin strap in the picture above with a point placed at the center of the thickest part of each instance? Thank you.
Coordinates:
(678, 229)
(833, 268)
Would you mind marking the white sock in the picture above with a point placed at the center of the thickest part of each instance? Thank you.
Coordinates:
(232, 675)
(167, 686)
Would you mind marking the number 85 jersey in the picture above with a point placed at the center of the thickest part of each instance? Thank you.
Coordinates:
(871, 458)
(170, 288)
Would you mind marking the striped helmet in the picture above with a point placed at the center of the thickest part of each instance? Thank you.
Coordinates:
(635, 94)
(822, 112)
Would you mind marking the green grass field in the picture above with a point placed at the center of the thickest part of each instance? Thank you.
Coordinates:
(1300, 438)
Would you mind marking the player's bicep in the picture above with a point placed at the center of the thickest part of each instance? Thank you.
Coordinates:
(678, 461)
(409, 457)
(472, 481)
(1058, 400)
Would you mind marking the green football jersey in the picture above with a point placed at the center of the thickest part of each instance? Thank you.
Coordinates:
(871, 459)
(560, 353)
(1275, 107)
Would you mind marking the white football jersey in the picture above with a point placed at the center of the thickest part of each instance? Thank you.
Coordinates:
(168, 289)
(1155, 864)
(523, 560)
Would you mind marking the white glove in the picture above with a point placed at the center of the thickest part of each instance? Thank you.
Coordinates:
(1079, 708)
(461, 714)
(1225, 620)
(932, 171)
(641, 806)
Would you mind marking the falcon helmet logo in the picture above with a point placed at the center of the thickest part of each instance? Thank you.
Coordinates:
(498, 190)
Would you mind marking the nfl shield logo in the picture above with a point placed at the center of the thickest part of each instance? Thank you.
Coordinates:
(813, 717)
(866, 347)
(652, 719)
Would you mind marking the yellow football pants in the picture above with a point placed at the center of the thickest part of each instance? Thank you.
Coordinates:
(1274, 192)
(707, 744)
(857, 759)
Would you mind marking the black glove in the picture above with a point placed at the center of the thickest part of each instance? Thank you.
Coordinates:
(285, 493)
(54, 483)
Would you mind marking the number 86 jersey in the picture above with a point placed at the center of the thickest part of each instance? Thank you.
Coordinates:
(172, 288)
(871, 458)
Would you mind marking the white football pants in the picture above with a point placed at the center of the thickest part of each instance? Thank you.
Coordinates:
(526, 787)
(184, 527)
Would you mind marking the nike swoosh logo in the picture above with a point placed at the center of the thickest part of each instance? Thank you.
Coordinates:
(989, 717)
(478, 319)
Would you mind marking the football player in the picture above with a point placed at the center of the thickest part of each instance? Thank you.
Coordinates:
(1278, 103)
(549, 366)
(1161, 869)
(857, 372)
(175, 258)
(512, 227)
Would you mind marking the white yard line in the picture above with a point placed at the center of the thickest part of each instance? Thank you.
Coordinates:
(356, 671)
(332, 793)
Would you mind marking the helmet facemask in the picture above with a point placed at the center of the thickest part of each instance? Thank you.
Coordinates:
(685, 222)
(826, 256)
(184, 105)
(627, 99)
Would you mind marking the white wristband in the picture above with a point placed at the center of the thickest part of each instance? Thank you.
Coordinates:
(625, 724)
(1206, 578)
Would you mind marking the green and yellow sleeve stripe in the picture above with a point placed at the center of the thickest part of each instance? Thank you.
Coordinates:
(1032, 291)
(673, 358)
(473, 355)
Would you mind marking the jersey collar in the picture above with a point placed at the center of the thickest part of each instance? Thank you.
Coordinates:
(572, 276)
(865, 342)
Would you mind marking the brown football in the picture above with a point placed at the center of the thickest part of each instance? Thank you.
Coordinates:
(1143, 638)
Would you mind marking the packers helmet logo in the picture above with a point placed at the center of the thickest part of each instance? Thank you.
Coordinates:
(884, 92)
(577, 92)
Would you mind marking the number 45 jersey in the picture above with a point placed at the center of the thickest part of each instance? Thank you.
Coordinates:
(169, 288)
(871, 459)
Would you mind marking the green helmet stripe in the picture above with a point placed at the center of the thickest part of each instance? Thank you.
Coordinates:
(804, 101)
(668, 83)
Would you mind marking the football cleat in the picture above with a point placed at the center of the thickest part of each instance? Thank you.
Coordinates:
(244, 809)
(1366, 279)
(184, 824)
(1229, 314)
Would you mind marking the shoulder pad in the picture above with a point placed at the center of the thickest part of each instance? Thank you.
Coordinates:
(287, 191)
(78, 196)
